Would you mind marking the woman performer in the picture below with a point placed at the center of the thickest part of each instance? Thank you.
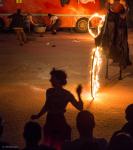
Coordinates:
(56, 129)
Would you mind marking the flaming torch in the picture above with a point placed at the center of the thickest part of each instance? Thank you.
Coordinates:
(96, 54)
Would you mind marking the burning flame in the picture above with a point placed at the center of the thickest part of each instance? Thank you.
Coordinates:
(99, 25)
(96, 56)
(96, 66)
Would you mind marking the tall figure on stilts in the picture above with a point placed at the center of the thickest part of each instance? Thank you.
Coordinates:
(114, 37)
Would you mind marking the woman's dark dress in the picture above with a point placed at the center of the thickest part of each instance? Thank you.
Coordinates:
(56, 129)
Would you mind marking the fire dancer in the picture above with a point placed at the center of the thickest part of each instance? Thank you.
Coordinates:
(114, 38)
(56, 129)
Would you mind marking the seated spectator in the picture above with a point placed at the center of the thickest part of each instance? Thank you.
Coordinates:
(54, 23)
(85, 124)
(121, 141)
(17, 24)
(128, 127)
(32, 136)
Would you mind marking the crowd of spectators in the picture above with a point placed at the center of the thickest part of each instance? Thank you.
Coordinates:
(85, 122)
(57, 133)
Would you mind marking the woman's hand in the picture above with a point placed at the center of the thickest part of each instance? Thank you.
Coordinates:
(79, 89)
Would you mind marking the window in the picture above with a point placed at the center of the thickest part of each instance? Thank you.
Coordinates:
(19, 1)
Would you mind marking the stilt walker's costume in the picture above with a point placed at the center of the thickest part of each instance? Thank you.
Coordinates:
(114, 38)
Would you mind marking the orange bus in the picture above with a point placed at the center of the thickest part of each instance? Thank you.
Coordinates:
(73, 13)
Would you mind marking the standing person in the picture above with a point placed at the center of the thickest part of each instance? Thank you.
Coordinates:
(56, 129)
(115, 36)
(29, 23)
(54, 23)
(107, 36)
(17, 24)
(122, 37)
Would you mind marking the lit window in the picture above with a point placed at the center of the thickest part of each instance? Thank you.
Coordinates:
(19, 1)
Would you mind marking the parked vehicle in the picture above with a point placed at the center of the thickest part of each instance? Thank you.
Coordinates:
(73, 13)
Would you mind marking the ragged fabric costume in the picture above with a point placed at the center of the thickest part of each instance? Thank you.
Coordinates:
(114, 37)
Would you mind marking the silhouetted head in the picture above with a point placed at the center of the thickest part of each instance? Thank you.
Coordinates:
(129, 112)
(18, 11)
(50, 15)
(121, 141)
(1, 126)
(85, 123)
(58, 77)
(32, 132)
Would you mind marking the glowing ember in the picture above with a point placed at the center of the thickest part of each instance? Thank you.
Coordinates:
(97, 53)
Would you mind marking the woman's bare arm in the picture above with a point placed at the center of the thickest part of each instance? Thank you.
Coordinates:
(42, 111)
(77, 104)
